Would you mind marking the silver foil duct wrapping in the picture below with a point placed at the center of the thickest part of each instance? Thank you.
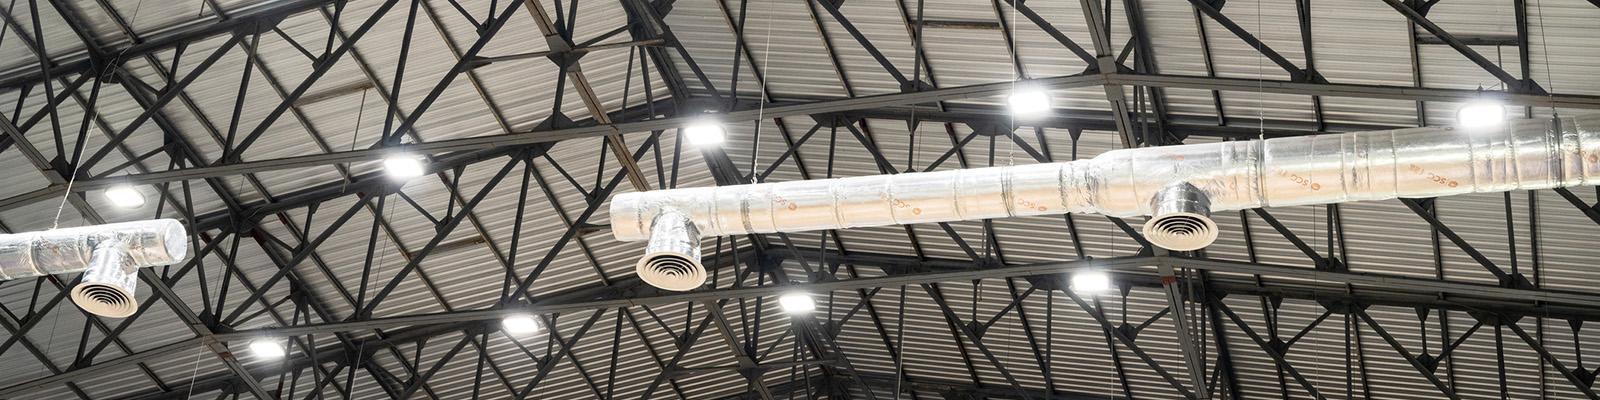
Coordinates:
(109, 257)
(1321, 169)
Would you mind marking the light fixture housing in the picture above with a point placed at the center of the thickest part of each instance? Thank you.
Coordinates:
(1088, 282)
(268, 348)
(125, 196)
(797, 303)
(520, 324)
(403, 166)
(1028, 101)
(704, 133)
(1481, 114)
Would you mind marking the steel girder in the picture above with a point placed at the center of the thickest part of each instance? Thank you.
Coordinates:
(1374, 289)
(1138, 271)
(193, 320)
(271, 11)
(805, 109)
(1512, 302)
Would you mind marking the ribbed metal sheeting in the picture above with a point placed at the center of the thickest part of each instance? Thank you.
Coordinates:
(1383, 237)
(1081, 362)
(1361, 43)
(1353, 43)
(455, 270)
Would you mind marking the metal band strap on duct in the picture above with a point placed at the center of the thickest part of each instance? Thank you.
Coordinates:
(108, 255)
(1179, 186)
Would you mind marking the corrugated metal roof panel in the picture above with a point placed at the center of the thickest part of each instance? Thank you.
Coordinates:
(1353, 43)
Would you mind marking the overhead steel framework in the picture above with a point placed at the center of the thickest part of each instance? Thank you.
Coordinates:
(344, 336)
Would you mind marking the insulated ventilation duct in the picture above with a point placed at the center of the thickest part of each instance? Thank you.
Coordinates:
(109, 257)
(1177, 186)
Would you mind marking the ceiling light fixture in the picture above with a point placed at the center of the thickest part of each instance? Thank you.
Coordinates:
(125, 196)
(1028, 101)
(1481, 114)
(520, 324)
(268, 349)
(403, 166)
(1091, 282)
(797, 303)
(704, 133)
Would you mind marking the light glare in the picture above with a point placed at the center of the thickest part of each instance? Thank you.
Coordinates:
(797, 303)
(403, 166)
(1091, 282)
(704, 134)
(1028, 102)
(520, 324)
(125, 196)
(1479, 114)
(267, 349)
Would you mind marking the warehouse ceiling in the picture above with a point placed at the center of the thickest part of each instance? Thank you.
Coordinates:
(264, 127)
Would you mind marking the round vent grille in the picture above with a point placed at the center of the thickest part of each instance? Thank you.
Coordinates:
(671, 272)
(104, 300)
(1181, 231)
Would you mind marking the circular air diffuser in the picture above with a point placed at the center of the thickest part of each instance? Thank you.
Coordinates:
(1181, 231)
(671, 271)
(105, 300)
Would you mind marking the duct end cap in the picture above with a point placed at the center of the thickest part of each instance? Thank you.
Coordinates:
(176, 239)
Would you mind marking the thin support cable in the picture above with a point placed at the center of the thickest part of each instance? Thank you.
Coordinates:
(900, 342)
(761, 107)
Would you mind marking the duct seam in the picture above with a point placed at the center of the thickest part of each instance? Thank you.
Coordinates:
(1006, 194)
(832, 199)
(1553, 146)
(960, 211)
(890, 201)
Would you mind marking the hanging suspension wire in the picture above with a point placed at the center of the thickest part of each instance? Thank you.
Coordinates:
(900, 342)
(761, 106)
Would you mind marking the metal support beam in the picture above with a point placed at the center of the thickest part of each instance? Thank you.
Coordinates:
(1122, 338)
(746, 361)
(1106, 63)
(806, 108)
(1180, 322)
(556, 39)
(1513, 83)
(1422, 369)
(1370, 288)
(1278, 356)
(1375, 289)
(172, 37)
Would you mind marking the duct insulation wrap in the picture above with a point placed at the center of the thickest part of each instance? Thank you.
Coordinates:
(1197, 179)
(109, 257)
(672, 257)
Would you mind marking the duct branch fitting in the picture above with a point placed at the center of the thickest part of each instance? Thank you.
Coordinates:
(1180, 219)
(1179, 185)
(109, 257)
(672, 256)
